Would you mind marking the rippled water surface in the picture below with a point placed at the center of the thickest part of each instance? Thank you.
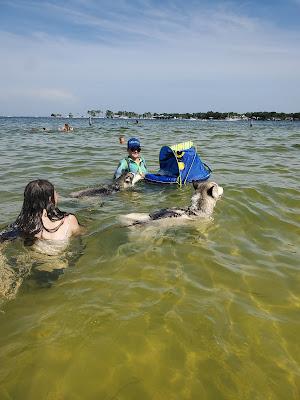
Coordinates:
(209, 310)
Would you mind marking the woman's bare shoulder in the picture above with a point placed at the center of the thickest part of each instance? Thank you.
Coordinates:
(74, 224)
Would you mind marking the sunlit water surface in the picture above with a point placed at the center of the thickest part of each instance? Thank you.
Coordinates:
(209, 310)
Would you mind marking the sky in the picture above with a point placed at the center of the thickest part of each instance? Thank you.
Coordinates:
(71, 56)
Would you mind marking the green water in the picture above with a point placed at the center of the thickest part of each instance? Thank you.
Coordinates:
(209, 310)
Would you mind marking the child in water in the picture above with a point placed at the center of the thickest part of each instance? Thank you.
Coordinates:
(121, 139)
(134, 162)
(41, 218)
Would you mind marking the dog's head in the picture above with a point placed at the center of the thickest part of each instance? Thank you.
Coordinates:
(205, 197)
(125, 181)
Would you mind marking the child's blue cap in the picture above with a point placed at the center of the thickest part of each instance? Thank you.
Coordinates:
(133, 143)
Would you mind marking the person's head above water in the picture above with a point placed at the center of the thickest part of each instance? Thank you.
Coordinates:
(39, 195)
(134, 148)
(133, 144)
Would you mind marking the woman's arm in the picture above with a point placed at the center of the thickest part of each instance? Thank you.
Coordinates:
(122, 167)
(75, 228)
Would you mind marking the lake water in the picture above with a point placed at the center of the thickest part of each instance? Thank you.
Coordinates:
(209, 310)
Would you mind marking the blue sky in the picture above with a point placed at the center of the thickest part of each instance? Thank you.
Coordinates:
(144, 55)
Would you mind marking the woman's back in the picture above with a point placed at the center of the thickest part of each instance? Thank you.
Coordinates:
(58, 230)
(41, 218)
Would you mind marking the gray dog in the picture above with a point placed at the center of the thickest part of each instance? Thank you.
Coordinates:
(125, 181)
(203, 203)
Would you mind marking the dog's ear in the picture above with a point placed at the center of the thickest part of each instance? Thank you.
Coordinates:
(197, 184)
(213, 191)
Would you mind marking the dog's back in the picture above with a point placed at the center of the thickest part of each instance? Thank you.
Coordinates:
(97, 191)
(166, 213)
(203, 203)
(125, 181)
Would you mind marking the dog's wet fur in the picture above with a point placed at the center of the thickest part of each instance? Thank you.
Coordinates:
(125, 181)
(202, 205)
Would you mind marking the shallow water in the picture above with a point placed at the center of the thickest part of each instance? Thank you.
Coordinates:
(208, 310)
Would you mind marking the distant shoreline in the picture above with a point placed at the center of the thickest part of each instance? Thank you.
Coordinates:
(210, 115)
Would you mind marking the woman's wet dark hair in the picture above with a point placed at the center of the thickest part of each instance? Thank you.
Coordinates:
(38, 196)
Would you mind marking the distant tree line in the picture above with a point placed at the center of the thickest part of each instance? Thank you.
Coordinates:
(257, 115)
(260, 115)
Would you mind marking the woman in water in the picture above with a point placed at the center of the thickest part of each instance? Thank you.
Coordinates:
(41, 218)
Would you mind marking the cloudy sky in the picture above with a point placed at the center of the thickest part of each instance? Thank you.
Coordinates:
(149, 55)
